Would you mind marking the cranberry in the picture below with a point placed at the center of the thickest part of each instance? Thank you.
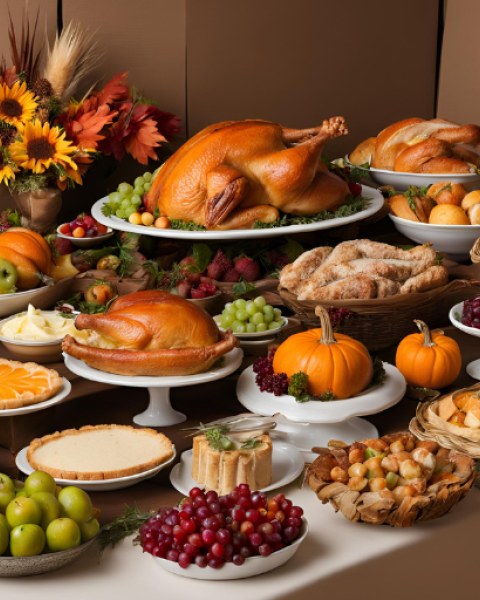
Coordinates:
(265, 549)
(188, 525)
(218, 550)
(224, 536)
(201, 561)
(238, 560)
(184, 560)
(195, 492)
(172, 555)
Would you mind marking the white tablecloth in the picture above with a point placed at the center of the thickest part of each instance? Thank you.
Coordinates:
(339, 560)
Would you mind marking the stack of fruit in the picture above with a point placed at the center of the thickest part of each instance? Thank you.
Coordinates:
(128, 199)
(250, 316)
(210, 530)
(40, 516)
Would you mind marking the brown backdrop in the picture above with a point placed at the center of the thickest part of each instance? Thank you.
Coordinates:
(292, 61)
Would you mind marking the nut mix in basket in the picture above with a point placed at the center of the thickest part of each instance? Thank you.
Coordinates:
(396, 479)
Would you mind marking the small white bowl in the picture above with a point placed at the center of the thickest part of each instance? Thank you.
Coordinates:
(86, 242)
(458, 309)
(31, 350)
(41, 297)
(455, 240)
(255, 565)
(259, 334)
(400, 181)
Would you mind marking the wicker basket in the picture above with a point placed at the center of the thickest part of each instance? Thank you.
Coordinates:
(427, 425)
(475, 252)
(382, 322)
(369, 507)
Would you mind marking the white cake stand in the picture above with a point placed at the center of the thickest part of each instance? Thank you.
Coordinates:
(160, 412)
(336, 419)
(473, 368)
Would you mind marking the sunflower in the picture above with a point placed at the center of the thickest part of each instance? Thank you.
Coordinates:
(17, 104)
(6, 171)
(41, 146)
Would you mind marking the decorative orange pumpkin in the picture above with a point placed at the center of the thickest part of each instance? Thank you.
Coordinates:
(28, 252)
(333, 362)
(429, 359)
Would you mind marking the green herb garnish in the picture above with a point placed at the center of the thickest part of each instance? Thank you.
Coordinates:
(379, 373)
(298, 388)
(186, 225)
(352, 207)
(250, 444)
(116, 531)
(242, 287)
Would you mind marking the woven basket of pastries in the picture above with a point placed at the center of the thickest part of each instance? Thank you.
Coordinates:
(384, 286)
(453, 420)
(475, 252)
(396, 480)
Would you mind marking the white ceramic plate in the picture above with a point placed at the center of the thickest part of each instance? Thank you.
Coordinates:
(376, 204)
(104, 485)
(458, 308)
(86, 242)
(306, 436)
(368, 403)
(60, 396)
(455, 240)
(232, 361)
(255, 565)
(258, 334)
(287, 464)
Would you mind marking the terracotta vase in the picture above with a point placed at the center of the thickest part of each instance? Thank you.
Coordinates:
(39, 209)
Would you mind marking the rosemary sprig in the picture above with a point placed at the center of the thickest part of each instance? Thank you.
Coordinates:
(116, 531)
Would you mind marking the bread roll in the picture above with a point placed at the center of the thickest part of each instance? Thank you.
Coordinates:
(447, 193)
(470, 200)
(474, 214)
(448, 214)
(364, 152)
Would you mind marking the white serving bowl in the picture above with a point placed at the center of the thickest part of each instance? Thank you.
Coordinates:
(255, 565)
(210, 303)
(454, 240)
(32, 350)
(458, 309)
(41, 297)
(85, 242)
(400, 181)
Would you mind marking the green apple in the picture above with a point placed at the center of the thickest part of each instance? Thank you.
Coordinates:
(89, 529)
(7, 491)
(27, 540)
(3, 520)
(8, 277)
(38, 481)
(76, 504)
(50, 507)
(23, 511)
(19, 493)
(63, 534)
(4, 538)
(58, 489)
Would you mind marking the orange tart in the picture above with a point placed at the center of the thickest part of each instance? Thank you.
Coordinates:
(22, 384)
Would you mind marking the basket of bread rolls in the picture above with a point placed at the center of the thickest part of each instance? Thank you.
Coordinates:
(452, 420)
(373, 291)
(395, 480)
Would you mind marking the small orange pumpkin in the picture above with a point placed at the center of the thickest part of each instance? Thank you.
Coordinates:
(428, 359)
(333, 362)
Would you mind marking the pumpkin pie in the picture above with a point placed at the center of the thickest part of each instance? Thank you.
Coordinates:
(99, 452)
(22, 384)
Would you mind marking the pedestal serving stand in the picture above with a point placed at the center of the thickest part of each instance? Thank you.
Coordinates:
(327, 420)
(160, 412)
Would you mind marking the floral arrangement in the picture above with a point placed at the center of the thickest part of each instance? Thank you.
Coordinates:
(48, 138)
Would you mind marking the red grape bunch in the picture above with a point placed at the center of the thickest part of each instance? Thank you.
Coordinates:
(210, 530)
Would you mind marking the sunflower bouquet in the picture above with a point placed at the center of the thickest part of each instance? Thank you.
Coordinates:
(48, 139)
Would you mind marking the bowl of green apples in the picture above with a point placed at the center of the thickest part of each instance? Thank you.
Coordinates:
(43, 527)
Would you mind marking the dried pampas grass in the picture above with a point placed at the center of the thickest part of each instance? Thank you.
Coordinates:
(71, 58)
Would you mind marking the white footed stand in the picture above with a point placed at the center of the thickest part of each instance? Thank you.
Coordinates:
(315, 423)
(473, 368)
(160, 412)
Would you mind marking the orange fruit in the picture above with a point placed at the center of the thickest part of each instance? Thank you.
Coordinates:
(36, 236)
(26, 383)
(28, 246)
(26, 269)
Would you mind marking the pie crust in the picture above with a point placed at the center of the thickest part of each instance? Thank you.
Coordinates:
(99, 452)
(27, 397)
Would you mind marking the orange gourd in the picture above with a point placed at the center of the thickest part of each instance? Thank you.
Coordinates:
(28, 252)
(333, 362)
(428, 359)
